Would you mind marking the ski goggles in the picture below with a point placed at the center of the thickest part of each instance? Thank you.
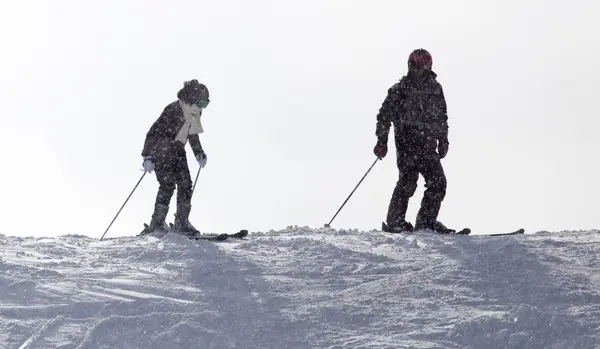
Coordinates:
(202, 103)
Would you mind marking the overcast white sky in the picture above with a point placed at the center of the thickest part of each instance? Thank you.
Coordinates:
(295, 88)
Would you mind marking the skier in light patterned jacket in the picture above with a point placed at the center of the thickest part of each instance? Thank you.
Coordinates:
(164, 153)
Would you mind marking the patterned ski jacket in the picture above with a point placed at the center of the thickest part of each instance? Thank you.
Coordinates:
(162, 138)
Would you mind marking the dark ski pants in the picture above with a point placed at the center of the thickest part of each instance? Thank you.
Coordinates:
(410, 166)
(172, 172)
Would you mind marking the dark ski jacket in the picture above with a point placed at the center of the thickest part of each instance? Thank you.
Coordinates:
(416, 107)
(160, 140)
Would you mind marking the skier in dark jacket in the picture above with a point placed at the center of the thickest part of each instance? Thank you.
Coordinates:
(164, 152)
(417, 108)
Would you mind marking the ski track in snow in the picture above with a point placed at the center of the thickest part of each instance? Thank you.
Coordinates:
(302, 288)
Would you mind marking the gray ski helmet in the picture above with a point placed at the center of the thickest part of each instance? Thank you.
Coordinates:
(420, 59)
(194, 92)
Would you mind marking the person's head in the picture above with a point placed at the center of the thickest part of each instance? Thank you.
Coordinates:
(420, 60)
(194, 93)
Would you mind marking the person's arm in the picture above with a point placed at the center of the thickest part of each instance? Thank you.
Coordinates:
(156, 131)
(196, 145)
(389, 109)
(387, 113)
(443, 142)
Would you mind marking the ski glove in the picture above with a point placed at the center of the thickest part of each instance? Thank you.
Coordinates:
(202, 159)
(380, 149)
(148, 164)
(442, 149)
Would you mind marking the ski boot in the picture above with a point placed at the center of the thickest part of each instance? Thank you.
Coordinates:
(436, 226)
(401, 226)
(182, 223)
(158, 227)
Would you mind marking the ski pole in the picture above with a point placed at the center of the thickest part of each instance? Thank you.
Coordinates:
(196, 180)
(338, 211)
(134, 188)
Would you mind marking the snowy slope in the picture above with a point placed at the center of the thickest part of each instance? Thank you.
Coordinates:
(302, 288)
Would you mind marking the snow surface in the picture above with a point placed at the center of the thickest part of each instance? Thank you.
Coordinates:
(302, 288)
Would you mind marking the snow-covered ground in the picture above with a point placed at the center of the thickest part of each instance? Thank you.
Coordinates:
(302, 288)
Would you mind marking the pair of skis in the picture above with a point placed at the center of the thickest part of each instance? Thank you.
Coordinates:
(466, 231)
(209, 237)
(220, 237)
(243, 233)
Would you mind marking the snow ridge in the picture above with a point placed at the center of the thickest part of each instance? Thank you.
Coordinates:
(302, 288)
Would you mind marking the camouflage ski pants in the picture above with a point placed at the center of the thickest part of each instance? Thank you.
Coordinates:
(172, 172)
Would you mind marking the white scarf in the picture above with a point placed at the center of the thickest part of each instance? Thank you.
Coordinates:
(192, 124)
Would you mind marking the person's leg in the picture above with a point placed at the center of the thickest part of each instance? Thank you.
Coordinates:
(165, 174)
(435, 183)
(404, 190)
(184, 196)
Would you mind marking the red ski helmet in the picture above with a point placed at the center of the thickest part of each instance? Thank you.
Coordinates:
(420, 59)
